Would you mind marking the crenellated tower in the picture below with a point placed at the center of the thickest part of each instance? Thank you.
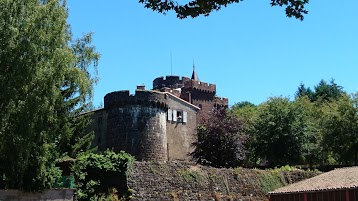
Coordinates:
(192, 90)
(137, 124)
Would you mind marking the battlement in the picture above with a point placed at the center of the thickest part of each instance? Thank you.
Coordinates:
(194, 84)
(216, 100)
(141, 97)
(171, 81)
(221, 101)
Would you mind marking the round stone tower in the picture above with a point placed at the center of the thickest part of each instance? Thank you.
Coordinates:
(137, 124)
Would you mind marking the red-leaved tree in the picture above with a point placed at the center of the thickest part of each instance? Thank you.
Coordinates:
(221, 140)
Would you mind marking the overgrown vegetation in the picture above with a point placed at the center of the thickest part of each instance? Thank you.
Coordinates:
(279, 177)
(94, 173)
(191, 175)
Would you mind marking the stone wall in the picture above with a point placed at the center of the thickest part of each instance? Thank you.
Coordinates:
(180, 181)
(137, 124)
(199, 85)
(181, 135)
(99, 126)
(138, 130)
(48, 195)
(169, 81)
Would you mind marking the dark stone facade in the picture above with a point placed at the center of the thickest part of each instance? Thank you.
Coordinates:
(158, 124)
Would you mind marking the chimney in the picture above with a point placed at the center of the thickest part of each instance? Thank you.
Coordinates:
(141, 87)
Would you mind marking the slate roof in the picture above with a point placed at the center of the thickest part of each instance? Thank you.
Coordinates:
(341, 178)
(194, 76)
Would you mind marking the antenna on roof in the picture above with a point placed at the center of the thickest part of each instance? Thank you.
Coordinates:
(194, 76)
(171, 64)
(193, 65)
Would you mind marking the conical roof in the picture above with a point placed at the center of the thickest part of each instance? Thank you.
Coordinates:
(194, 76)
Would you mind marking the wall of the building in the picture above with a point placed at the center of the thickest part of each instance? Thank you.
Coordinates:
(327, 195)
(48, 195)
(202, 95)
(180, 133)
(206, 107)
(139, 125)
(99, 126)
(138, 130)
(169, 81)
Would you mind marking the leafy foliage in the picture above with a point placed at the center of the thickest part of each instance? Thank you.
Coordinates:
(306, 125)
(44, 83)
(221, 141)
(195, 8)
(248, 114)
(340, 128)
(318, 128)
(89, 187)
(276, 139)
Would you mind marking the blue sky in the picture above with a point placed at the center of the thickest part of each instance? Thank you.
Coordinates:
(250, 50)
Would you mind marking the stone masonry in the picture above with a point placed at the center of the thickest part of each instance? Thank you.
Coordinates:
(158, 124)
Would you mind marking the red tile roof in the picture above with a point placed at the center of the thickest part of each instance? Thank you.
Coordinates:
(342, 178)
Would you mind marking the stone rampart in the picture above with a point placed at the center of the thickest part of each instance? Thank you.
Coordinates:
(181, 181)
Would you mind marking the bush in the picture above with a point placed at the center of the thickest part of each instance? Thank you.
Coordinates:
(92, 172)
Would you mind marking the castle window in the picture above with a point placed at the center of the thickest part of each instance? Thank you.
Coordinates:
(180, 116)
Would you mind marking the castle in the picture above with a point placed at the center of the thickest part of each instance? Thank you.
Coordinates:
(158, 124)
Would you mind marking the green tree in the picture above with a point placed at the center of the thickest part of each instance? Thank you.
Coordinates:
(44, 83)
(280, 132)
(221, 141)
(303, 91)
(195, 8)
(327, 91)
(305, 125)
(248, 113)
(323, 91)
(340, 128)
(74, 100)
